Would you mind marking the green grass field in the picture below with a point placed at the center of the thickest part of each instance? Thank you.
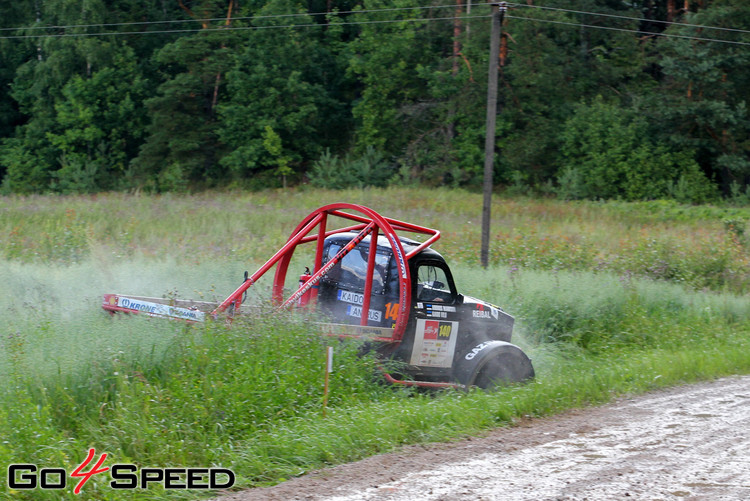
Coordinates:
(609, 299)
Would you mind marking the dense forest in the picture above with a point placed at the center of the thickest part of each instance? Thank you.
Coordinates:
(630, 99)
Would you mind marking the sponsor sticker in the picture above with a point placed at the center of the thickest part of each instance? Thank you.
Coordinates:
(351, 297)
(356, 311)
(441, 307)
(356, 331)
(396, 246)
(434, 343)
(438, 310)
(486, 311)
(151, 308)
(477, 349)
(480, 314)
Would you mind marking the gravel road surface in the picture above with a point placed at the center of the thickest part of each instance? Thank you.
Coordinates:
(685, 443)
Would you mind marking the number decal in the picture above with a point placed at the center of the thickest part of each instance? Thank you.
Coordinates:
(391, 311)
(445, 330)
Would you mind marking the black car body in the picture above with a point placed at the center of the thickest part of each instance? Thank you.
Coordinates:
(449, 336)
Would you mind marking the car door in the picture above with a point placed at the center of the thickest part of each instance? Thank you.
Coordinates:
(436, 321)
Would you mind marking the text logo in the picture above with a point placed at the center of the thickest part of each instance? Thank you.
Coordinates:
(26, 476)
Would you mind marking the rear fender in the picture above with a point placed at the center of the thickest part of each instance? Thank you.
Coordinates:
(470, 364)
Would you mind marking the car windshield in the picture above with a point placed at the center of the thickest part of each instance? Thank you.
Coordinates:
(351, 272)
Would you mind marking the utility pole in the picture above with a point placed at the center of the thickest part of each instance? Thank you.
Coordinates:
(498, 13)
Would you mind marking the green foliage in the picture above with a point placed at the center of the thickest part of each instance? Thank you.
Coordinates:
(419, 103)
(28, 161)
(703, 106)
(99, 127)
(219, 379)
(249, 397)
(13, 53)
(368, 169)
(662, 239)
(288, 80)
(549, 63)
(607, 152)
(82, 99)
(191, 108)
(182, 142)
(606, 312)
(272, 144)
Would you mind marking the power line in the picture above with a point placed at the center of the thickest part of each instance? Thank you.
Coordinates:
(367, 11)
(641, 32)
(361, 22)
(629, 18)
(238, 18)
(239, 28)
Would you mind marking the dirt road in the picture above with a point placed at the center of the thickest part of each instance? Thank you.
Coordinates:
(687, 443)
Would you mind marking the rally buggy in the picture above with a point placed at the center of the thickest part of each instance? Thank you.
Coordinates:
(396, 293)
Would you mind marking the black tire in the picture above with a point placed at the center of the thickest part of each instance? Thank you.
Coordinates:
(492, 364)
(504, 369)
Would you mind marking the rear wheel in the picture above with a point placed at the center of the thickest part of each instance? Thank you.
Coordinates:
(493, 363)
(504, 369)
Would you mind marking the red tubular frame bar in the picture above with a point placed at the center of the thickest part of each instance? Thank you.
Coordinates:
(315, 278)
(236, 297)
(424, 384)
(368, 222)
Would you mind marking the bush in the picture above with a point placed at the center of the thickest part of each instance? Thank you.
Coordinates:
(608, 153)
(369, 169)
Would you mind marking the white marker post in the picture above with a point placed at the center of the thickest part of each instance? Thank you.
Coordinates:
(329, 369)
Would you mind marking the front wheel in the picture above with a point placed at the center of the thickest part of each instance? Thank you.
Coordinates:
(493, 363)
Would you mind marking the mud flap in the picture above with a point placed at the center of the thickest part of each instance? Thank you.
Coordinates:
(493, 363)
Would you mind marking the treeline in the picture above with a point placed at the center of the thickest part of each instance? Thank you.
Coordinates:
(632, 99)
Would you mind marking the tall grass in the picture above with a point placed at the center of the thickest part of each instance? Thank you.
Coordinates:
(161, 393)
(703, 247)
(148, 391)
(602, 312)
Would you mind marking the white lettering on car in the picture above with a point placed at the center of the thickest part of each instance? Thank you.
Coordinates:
(477, 349)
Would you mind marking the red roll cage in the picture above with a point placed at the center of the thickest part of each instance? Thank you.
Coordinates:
(368, 222)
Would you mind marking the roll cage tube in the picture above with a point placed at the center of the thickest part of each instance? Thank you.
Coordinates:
(367, 222)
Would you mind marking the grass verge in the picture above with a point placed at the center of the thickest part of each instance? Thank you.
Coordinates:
(162, 394)
(609, 298)
(702, 247)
